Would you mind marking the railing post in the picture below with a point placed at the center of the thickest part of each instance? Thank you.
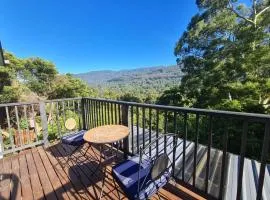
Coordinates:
(44, 123)
(83, 113)
(124, 109)
(1, 145)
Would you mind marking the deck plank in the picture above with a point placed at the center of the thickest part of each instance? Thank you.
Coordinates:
(34, 178)
(25, 180)
(6, 176)
(15, 184)
(44, 179)
(81, 172)
(56, 184)
(109, 187)
(63, 177)
(71, 174)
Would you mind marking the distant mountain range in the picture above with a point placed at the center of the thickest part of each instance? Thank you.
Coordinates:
(150, 78)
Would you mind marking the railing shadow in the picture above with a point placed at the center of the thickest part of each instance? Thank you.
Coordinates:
(84, 174)
(14, 182)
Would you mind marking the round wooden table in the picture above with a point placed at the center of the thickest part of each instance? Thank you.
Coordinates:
(106, 134)
(103, 135)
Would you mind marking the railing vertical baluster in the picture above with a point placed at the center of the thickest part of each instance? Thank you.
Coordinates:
(18, 126)
(223, 165)
(111, 114)
(195, 150)
(119, 114)
(100, 113)
(57, 118)
(108, 113)
(105, 113)
(79, 113)
(84, 113)
(27, 128)
(73, 105)
(208, 154)
(150, 131)
(137, 126)
(124, 122)
(165, 130)
(11, 139)
(132, 131)
(143, 124)
(64, 114)
(44, 124)
(91, 113)
(87, 112)
(115, 113)
(174, 140)
(242, 160)
(95, 112)
(265, 150)
(157, 131)
(1, 144)
(184, 146)
(34, 120)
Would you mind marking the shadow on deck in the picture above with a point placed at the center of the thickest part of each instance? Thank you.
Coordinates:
(40, 173)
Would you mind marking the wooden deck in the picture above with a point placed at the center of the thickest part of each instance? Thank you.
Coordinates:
(40, 173)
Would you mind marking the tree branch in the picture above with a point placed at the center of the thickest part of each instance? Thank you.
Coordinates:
(238, 15)
(262, 11)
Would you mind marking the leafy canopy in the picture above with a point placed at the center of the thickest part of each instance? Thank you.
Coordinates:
(224, 55)
(32, 79)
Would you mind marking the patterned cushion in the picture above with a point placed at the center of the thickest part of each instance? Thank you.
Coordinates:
(126, 174)
(75, 139)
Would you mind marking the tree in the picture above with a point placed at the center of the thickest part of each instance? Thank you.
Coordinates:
(67, 86)
(131, 98)
(38, 75)
(224, 55)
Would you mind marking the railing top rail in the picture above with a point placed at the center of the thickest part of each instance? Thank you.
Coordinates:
(18, 104)
(64, 99)
(37, 102)
(244, 115)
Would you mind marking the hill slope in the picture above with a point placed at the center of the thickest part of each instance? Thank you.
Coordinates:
(141, 80)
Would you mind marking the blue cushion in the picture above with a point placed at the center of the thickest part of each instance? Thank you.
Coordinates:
(126, 174)
(75, 139)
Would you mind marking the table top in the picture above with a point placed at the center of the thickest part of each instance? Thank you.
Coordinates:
(106, 134)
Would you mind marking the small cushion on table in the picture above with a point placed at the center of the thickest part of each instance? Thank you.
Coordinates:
(126, 174)
(75, 139)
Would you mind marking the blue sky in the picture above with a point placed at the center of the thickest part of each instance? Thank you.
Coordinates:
(85, 35)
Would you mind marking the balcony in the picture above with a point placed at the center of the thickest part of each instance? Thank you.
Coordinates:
(216, 157)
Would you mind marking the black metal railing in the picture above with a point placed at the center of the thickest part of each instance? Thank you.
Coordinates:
(216, 132)
(207, 137)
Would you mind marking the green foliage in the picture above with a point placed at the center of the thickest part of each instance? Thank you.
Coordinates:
(130, 98)
(34, 78)
(224, 55)
(66, 86)
(24, 123)
(39, 74)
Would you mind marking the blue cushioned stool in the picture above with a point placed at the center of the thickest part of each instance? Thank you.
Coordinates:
(142, 175)
(76, 140)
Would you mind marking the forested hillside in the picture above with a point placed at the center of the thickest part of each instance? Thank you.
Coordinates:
(34, 79)
(143, 83)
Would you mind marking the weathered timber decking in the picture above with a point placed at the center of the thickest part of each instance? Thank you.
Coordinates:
(40, 173)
